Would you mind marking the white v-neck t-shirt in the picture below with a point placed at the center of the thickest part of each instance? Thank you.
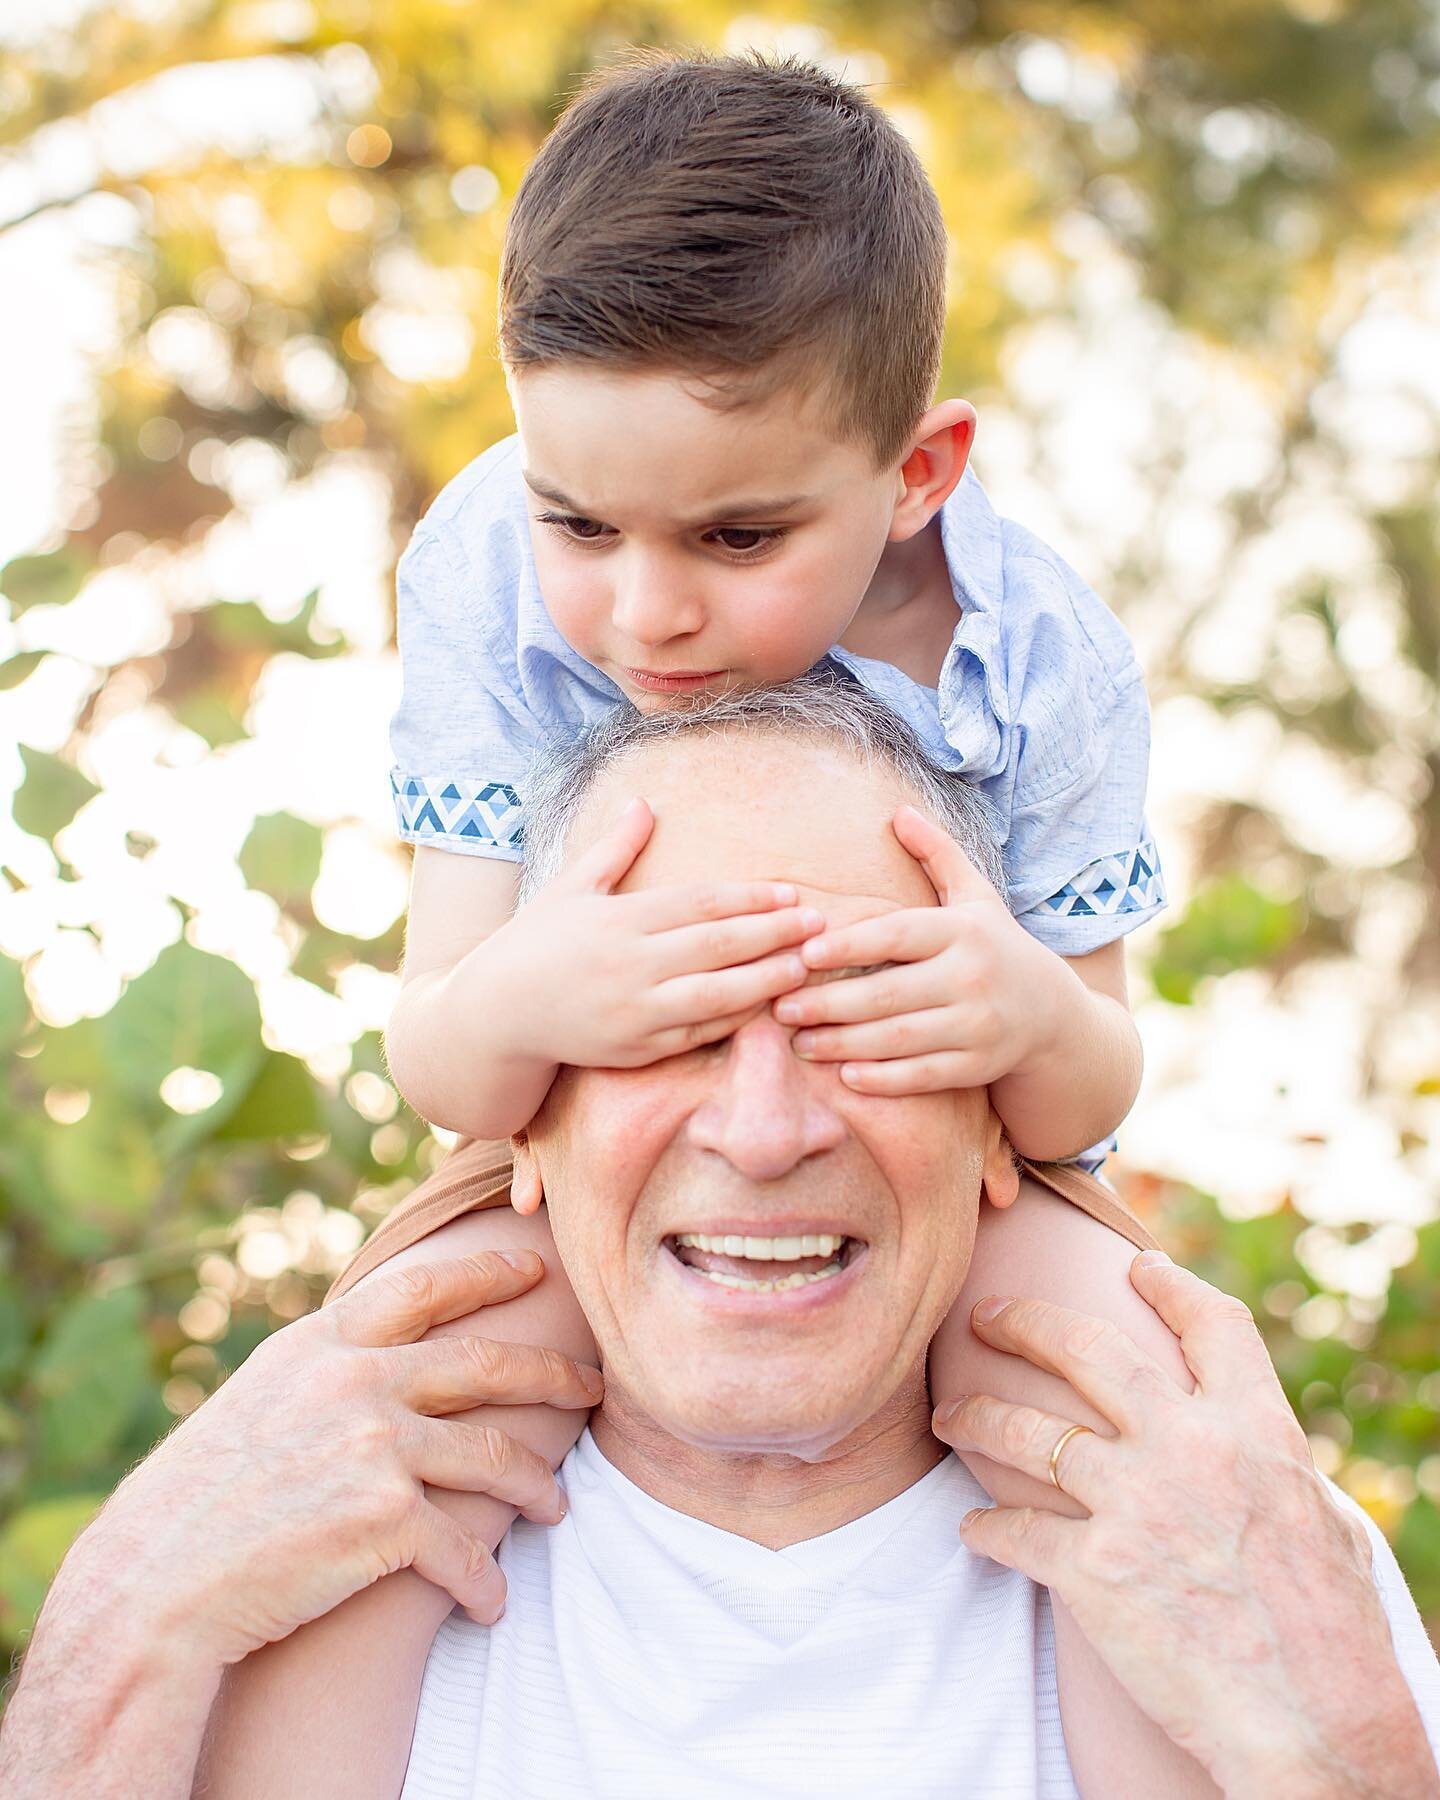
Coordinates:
(645, 1654)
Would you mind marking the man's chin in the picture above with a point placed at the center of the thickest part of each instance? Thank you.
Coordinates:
(752, 1399)
(735, 1425)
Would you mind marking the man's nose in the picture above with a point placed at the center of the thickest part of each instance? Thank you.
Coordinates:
(764, 1115)
(653, 602)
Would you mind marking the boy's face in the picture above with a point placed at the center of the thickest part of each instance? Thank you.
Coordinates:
(684, 550)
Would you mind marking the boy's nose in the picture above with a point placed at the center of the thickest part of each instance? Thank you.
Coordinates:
(764, 1114)
(653, 604)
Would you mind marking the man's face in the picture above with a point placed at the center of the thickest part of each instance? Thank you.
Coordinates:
(744, 1139)
(686, 550)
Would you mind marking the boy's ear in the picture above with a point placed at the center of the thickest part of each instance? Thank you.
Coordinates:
(1000, 1172)
(932, 469)
(526, 1188)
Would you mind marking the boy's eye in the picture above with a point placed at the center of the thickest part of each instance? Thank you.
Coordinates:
(744, 540)
(587, 530)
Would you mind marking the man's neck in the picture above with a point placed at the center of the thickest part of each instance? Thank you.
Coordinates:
(773, 1498)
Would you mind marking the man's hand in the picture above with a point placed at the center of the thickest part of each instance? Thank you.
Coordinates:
(618, 981)
(1216, 1576)
(960, 995)
(299, 1482)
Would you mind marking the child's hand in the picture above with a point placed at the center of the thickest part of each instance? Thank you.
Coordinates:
(617, 981)
(972, 997)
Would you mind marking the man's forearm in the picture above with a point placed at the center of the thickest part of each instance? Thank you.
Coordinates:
(110, 1704)
(1364, 1741)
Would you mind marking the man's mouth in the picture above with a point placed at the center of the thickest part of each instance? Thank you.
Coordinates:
(764, 1265)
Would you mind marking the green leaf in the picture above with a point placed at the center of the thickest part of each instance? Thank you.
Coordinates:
(48, 580)
(190, 1010)
(105, 1170)
(281, 857)
(72, 1056)
(33, 1544)
(1417, 1547)
(90, 1375)
(241, 625)
(210, 715)
(50, 795)
(282, 1101)
(14, 1007)
(14, 669)
(14, 1331)
(1228, 925)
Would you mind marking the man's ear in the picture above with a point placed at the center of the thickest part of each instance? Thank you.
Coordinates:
(1000, 1172)
(526, 1188)
(933, 466)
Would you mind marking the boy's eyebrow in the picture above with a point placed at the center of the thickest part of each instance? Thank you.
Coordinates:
(745, 507)
(552, 494)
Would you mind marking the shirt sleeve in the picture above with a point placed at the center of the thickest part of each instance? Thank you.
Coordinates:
(1081, 865)
(463, 738)
(1413, 1650)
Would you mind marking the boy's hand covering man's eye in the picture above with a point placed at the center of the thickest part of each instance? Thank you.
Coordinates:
(617, 981)
(970, 998)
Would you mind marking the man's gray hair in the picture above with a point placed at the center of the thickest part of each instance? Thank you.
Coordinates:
(826, 706)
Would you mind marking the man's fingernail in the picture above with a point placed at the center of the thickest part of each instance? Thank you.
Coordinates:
(592, 1378)
(943, 1414)
(1151, 1259)
(523, 1260)
(989, 1308)
(970, 1517)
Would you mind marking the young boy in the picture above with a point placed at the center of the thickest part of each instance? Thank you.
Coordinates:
(722, 304)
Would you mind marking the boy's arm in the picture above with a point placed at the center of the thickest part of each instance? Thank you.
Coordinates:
(1079, 1088)
(1045, 1248)
(451, 1041)
(960, 995)
(494, 1000)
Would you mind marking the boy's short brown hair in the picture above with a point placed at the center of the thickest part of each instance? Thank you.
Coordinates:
(756, 223)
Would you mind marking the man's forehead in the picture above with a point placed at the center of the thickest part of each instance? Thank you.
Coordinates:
(751, 805)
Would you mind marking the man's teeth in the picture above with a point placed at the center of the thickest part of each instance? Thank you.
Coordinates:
(768, 1287)
(762, 1249)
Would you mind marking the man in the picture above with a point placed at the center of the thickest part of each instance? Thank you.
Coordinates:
(762, 1469)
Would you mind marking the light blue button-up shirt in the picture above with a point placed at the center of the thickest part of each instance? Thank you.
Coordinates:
(1040, 702)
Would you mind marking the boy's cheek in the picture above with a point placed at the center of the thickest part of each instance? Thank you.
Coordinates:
(576, 605)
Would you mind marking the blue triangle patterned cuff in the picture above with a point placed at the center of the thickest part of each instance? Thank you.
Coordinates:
(1129, 883)
(457, 814)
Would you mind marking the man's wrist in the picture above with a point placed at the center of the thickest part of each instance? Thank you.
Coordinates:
(113, 1698)
(1380, 1751)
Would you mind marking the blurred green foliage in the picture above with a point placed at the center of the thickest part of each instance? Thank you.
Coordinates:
(173, 1187)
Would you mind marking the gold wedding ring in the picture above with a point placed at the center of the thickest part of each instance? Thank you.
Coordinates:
(1060, 1443)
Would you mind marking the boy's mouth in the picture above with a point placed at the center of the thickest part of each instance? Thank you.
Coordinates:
(675, 681)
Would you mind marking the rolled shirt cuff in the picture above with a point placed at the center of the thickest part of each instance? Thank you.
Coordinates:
(476, 818)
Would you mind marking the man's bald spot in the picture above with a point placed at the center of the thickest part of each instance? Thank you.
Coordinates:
(748, 804)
